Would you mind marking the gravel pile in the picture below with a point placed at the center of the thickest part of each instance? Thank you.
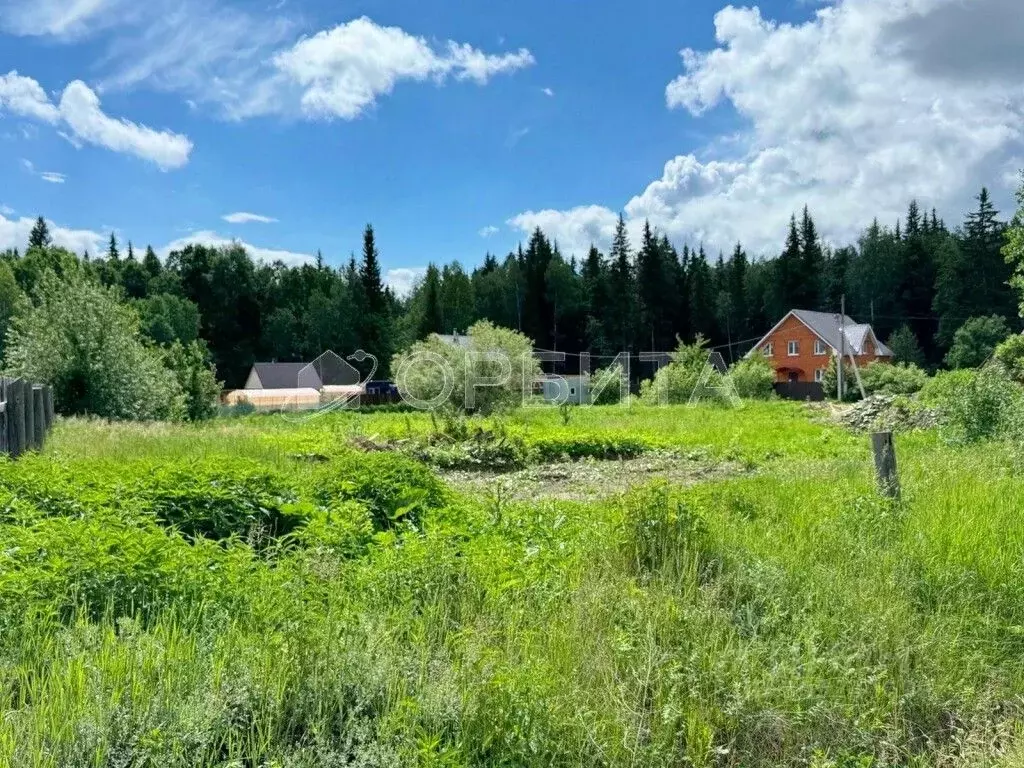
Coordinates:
(888, 412)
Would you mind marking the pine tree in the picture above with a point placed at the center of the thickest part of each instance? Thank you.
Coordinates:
(112, 253)
(737, 289)
(376, 331)
(131, 251)
(656, 291)
(151, 263)
(621, 292)
(812, 263)
(789, 270)
(431, 317)
(595, 279)
(702, 296)
(39, 237)
(982, 244)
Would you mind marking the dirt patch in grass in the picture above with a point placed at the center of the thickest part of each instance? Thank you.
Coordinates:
(590, 479)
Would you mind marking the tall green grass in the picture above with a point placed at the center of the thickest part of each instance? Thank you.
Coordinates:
(783, 616)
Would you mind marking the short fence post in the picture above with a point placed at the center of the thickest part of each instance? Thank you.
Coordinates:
(39, 411)
(885, 464)
(3, 415)
(49, 407)
(16, 438)
(30, 417)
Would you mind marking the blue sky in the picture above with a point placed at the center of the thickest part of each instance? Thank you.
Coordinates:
(456, 127)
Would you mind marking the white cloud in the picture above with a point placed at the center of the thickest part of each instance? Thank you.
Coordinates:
(340, 72)
(247, 218)
(574, 230)
(547, 91)
(61, 18)
(80, 108)
(24, 96)
(851, 112)
(6, 210)
(50, 176)
(213, 240)
(14, 234)
(80, 111)
(488, 231)
(403, 280)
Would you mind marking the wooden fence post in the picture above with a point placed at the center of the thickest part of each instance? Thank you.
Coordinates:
(16, 438)
(885, 464)
(39, 410)
(49, 407)
(30, 417)
(3, 415)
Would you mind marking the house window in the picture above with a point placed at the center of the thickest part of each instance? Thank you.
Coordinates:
(769, 350)
(819, 375)
(819, 347)
(794, 348)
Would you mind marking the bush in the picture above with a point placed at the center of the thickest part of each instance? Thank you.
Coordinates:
(394, 488)
(893, 379)
(830, 383)
(677, 382)
(1010, 355)
(976, 340)
(428, 367)
(196, 377)
(79, 338)
(753, 377)
(976, 404)
(605, 385)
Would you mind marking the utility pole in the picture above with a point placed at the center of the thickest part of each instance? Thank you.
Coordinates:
(842, 346)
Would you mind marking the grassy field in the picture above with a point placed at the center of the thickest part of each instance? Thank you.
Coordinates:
(644, 587)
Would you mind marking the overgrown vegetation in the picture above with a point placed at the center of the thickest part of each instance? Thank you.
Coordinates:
(304, 595)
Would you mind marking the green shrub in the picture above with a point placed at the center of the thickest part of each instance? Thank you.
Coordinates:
(109, 566)
(575, 447)
(893, 379)
(395, 489)
(976, 404)
(218, 502)
(428, 367)
(976, 340)
(830, 383)
(676, 383)
(197, 378)
(1010, 354)
(606, 385)
(80, 338)
(753, 377)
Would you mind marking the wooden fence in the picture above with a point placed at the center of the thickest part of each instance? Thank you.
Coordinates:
(26, 415)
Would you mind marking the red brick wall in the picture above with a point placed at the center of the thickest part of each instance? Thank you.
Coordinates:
(806, 362)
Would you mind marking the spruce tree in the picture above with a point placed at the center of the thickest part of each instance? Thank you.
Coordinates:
(151, 263)
(39, 237)
(621, 292)
(112, 253)
(431, 318)
(812, 263)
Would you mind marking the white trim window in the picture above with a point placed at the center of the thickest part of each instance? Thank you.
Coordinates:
(769, 350)
(819, 347)
(793, 349)
(819, 375)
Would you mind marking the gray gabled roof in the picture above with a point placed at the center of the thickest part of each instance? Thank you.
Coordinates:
(826, 326)
(283, 375)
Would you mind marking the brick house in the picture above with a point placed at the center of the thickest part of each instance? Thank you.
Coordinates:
(801, 345)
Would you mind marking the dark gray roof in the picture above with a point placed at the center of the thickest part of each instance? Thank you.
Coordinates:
(281, 375)
(826, 325)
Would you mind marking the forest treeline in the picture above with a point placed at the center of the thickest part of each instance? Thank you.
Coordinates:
(917, 280)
